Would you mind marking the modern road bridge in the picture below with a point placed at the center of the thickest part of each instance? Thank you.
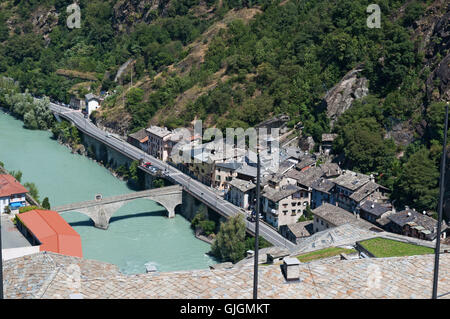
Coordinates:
(101, 210)
(200, 191)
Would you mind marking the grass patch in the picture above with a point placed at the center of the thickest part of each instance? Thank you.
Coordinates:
(382, 247)
(324, 253)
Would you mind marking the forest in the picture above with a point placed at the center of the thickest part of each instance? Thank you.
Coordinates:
(283, 60)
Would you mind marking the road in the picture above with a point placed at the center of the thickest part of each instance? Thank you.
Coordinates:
(192, 186)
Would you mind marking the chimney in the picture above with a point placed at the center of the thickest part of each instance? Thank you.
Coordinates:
(291, 268)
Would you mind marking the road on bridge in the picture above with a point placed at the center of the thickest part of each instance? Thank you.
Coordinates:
(204, 193)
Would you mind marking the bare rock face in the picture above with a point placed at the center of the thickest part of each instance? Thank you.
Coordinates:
(438, 46)
(403, 132)
(306, 143)
(438, 83)
(128, 12)
(340, 98)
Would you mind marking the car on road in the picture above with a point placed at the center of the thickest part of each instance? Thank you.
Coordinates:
(108, 135)
(147, 164)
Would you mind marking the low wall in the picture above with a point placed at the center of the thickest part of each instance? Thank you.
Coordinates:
(11, 253)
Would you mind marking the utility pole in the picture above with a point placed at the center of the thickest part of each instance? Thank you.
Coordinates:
(440, 208)
(1, 263)
(255, 274)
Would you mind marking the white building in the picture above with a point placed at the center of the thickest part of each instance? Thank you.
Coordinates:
(92, 103)
(12, 193)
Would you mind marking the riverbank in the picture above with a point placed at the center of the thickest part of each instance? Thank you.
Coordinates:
(139, 231)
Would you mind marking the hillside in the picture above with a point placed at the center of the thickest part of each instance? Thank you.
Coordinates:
(235, 63)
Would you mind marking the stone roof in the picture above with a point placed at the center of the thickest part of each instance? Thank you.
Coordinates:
(139, 135)
(322, 185)
(276, 195)
(230, 165)
(294, 152)
(45, 275)
(374, 208)
(247, 170)
(351, 180)
(338, 216)
(158, 131)
(90, 96)
(411, 216)
(365, 191)
(241, 184)
(302, 229)
(330, 169)
(306, 177)
(328, 137)
(305, 162)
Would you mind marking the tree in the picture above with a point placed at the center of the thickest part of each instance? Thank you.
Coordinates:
(134, 171)
(46, 203)
(229, 244)
(417, 184)
(17, 175)
(32, 189)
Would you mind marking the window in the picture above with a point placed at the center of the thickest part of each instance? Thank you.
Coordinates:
(321, 222)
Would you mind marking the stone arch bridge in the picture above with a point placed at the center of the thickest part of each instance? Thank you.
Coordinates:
(101, 210)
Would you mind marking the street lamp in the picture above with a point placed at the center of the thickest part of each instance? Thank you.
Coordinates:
(440, 207)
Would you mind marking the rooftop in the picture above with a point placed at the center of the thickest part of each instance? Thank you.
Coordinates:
(328, 137)
(139, 135)
(302, 229)
(365, 191)
(322, 185)
(54, 233)
(241, 184)
(374, 208)
(351, 180)
(158, 131)
(45, 275)
(338, 216)
(10, 186)
(307, 177)
(276, 195)
(411, 216)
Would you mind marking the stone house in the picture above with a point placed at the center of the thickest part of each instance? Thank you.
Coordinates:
(411, 223)
(241, 193)
(328, 216)
(282, 206)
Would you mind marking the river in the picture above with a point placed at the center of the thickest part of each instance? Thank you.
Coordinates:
(138, 233)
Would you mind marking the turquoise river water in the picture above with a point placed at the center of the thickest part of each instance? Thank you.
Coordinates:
(138, 233)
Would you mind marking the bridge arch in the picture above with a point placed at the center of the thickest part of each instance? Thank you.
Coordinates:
(101, 211)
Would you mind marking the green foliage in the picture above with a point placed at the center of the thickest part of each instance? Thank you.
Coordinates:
(134, 171)
(27, 209)
(200, 215)
(229, 244)
(46, 203)
(67, 133)
(158, 183)
(33, 190)
(208, 227)
(417, 184)
(17, 175)
(35, 113)
(250, 243)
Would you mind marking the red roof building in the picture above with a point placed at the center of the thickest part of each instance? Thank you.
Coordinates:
(52, 232)
(10, 186)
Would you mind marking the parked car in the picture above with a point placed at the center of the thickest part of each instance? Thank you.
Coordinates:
(147, 164)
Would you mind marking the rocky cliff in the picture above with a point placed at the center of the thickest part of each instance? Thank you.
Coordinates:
(341, 96)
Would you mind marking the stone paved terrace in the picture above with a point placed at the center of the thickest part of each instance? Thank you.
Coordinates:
(49, 275)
